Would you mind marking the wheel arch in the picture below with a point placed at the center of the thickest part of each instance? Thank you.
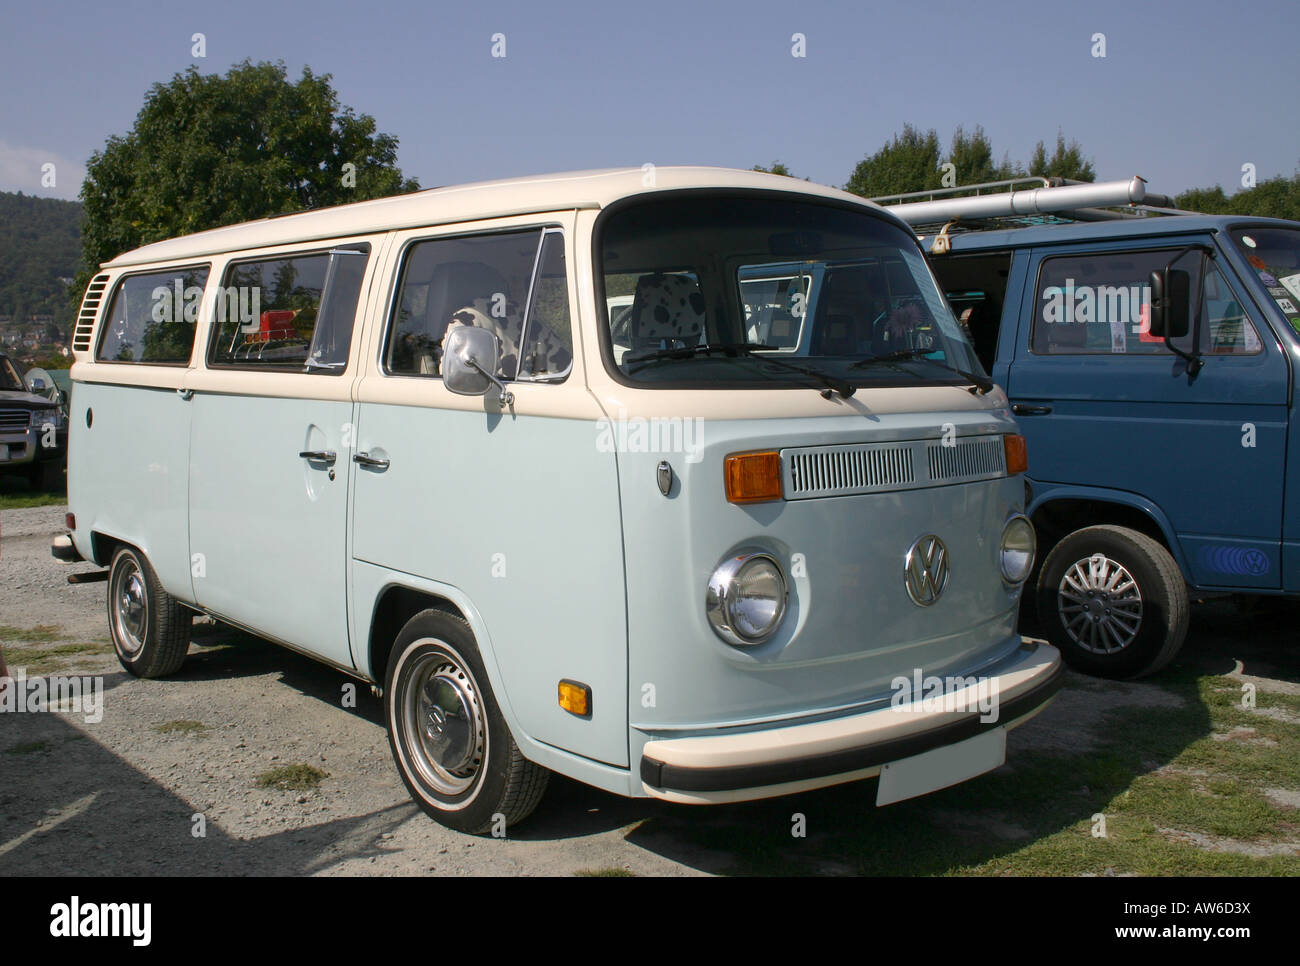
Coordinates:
(1059, 511)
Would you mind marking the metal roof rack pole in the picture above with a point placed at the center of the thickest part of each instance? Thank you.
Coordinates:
(1107, 194)
(1008, 184)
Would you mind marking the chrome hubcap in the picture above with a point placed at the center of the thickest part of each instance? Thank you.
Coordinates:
(1100, 605)
(442, 724)
(131, 609)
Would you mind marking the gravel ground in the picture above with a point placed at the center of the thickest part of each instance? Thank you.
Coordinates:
(121, 797)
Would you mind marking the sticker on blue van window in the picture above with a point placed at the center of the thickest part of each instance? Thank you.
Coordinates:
(1239, 561)
(1267, 279)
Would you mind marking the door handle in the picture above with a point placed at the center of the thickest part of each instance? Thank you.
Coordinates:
(1021, 409)
(318, 456)
(365, 459)
(185, 393)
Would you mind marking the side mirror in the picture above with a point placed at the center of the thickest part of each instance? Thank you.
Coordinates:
(470, 357)
(1170, 303)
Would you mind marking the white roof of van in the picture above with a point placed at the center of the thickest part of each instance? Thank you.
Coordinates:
(485, 199)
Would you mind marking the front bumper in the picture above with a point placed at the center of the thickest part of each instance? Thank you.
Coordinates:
(795, 758)
(23, 448)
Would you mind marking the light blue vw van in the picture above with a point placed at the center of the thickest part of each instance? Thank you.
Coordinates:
(662, 556)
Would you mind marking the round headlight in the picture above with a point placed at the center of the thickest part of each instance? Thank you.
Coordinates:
(1018, 546)
(746, 598)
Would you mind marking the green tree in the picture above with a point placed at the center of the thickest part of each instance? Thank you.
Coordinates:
(778, 167)
(207, 151)
(1067, 161)
(910, 162)
(1273, 198)
(972, 158)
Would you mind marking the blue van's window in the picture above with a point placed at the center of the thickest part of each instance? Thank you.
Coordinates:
(289, 313)
(1274, 254)
(152, 317)
(732, 290)
(482, 280)
(1099, 304)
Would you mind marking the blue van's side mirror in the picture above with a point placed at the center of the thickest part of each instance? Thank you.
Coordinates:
(1170, 302)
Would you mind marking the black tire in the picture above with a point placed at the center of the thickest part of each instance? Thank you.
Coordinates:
(149, 627)
(46, 477)
(450, 743)
(1122, 613)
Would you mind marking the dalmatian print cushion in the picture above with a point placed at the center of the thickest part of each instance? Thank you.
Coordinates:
(667, 307)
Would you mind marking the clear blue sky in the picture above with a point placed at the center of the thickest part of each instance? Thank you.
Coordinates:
(1188, 91)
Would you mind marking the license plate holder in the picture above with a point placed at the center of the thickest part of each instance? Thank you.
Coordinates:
(941, 767)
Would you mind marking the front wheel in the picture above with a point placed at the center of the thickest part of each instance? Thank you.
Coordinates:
(150, 628)
(1113, 602)
(448, 737)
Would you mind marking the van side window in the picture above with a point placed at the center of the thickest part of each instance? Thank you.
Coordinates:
(1099, 304)
(548, 331)
(152, 317)
(290, 313)
(485, 281)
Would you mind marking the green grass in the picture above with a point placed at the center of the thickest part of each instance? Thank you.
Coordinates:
(40, 634)
(292, 778)
(181, 726)
(15, 494)
(613, 872)
(28, 748)
(41, 660)
(1036, 817)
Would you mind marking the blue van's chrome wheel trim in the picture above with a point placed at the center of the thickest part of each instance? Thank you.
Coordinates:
(130, 609)
(1100, 605)
(441, 722)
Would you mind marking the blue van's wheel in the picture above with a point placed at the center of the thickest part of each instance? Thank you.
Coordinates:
(149, 627)
(449, 740)
(1113, 602)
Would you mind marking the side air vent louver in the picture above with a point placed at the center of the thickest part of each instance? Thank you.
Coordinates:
(89, 310)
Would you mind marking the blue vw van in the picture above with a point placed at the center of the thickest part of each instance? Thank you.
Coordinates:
(517, 455)
(1149, 356)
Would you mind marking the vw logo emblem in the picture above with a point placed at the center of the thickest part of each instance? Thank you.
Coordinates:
(925, 570)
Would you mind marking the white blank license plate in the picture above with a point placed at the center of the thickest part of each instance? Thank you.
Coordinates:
(4, 453)
(933, 770)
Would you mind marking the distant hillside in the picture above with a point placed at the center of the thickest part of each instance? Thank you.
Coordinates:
(40, 240)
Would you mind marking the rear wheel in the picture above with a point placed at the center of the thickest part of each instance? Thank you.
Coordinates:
(150, 628)
(1113, 602)
(448, 737)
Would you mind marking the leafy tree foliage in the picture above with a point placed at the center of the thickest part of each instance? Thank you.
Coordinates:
(1274, 198)
(39, 243)
(1067, 161)
(910, 162)
(207, 151)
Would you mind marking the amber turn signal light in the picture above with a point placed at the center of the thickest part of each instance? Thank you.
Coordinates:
(1017, 453)
(575, 698)
(753, 477)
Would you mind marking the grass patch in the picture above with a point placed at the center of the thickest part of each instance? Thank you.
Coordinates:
(41, 660)
(1200, 767)
(613, 872)
(40, 634)
(181, 726)
(27, 748)
(21, 499)
(292, 778)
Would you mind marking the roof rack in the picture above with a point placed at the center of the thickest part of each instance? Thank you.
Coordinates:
(1020, 202)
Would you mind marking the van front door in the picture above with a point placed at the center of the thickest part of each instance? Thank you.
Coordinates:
(1104, 404)
(269, 450)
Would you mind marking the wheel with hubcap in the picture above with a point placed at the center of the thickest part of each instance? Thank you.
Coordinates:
(1113, 602)
(449, 740)
(149, 627)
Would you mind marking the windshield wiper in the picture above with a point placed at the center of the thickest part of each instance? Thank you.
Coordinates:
(981, 383)
(749, 350)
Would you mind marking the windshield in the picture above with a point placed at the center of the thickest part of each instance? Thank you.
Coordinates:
(9, 378)
(1274, 254)
(727, 290)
